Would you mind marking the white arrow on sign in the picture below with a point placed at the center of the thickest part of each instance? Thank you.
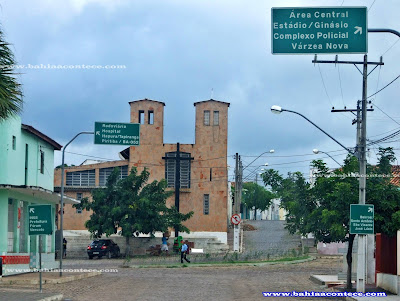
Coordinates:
(31, 210)
(97, 132)
(370, 209)
(358, 29)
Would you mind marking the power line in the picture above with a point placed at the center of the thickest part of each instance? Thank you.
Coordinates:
(340, 82)
(323, 83)
(289, 156)
(371, 5)
(391, 46)
(384, 133)
(384, 87)
(385, 114)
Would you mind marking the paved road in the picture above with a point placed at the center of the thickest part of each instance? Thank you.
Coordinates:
(270, 237)
(193, 283)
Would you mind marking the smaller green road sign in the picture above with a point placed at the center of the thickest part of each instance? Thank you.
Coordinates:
(116, 133)
(40, 221)
(302, 30)
(361, 219)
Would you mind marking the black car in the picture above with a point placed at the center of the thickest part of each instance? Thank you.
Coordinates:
(103, 247)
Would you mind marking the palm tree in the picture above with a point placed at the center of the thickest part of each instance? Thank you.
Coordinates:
(10, 90)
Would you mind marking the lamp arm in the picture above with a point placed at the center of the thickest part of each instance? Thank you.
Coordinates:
(347, 149)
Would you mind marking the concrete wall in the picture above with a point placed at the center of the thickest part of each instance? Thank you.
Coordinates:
(4, 220)
(398, 253)
(72, 219)
(12, 161)
(77, 245)
(388, 282)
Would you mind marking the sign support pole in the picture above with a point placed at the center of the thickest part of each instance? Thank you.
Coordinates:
(40, 264)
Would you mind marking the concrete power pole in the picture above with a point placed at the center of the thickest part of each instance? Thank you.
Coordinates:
(362, 238)
(238, 194)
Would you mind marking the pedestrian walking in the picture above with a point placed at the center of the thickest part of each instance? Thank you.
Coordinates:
(64, 248)
(164, 246)
(184, 251)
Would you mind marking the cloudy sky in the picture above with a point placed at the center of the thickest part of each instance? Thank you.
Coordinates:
(180, 52)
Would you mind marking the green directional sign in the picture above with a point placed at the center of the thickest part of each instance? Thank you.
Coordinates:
(116, 133)
(40, 221)
(314, 30)
(361, 219)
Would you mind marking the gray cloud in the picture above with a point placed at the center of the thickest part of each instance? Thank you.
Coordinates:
(176, 52)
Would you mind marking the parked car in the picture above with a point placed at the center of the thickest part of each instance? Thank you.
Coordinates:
(103, 247)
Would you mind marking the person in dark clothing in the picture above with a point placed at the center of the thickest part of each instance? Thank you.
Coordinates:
(64, 247)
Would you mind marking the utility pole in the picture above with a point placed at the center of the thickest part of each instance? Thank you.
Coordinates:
(236, 208)
(238, 194)
(362, 238)
(362, 159)
(240, 183)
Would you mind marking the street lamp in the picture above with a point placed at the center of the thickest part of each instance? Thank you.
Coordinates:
(62, 199)
(277, 110)
(271, 151)
(317, 151)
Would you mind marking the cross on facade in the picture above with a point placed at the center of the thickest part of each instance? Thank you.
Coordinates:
(177, 160)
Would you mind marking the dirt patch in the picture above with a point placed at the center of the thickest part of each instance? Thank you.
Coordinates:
(247, 227)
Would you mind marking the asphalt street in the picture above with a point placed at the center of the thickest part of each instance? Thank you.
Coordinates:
(194, 282)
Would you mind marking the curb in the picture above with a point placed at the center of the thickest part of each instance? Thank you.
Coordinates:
(64, 279)
(200, 265)
(52, 298)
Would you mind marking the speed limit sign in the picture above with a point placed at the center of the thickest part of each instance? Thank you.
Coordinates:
(235, 219)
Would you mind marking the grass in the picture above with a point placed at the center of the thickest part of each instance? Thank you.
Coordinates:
(233, 262)
(284, 259)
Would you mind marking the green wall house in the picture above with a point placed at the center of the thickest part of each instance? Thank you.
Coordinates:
(26, 178)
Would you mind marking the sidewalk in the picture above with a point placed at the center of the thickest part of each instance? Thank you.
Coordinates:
(17, 294)
(47, 278)
(26, 286)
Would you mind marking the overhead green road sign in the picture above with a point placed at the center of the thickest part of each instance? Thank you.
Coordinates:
(40, 221)
(315, 30)
(361, 219)
(116, 133)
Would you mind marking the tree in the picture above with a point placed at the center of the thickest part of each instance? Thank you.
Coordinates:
(256, 196)
(324, 208)
(10, 90)
(130, 205)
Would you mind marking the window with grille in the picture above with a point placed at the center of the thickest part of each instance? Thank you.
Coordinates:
(216, 117)
(42, 162)
(81, 178)
(206, 204)
(79, 197)
(206, 117)
(23, 237)
(11, 226)
(14, 143)
(170, 169)
(104, 173)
